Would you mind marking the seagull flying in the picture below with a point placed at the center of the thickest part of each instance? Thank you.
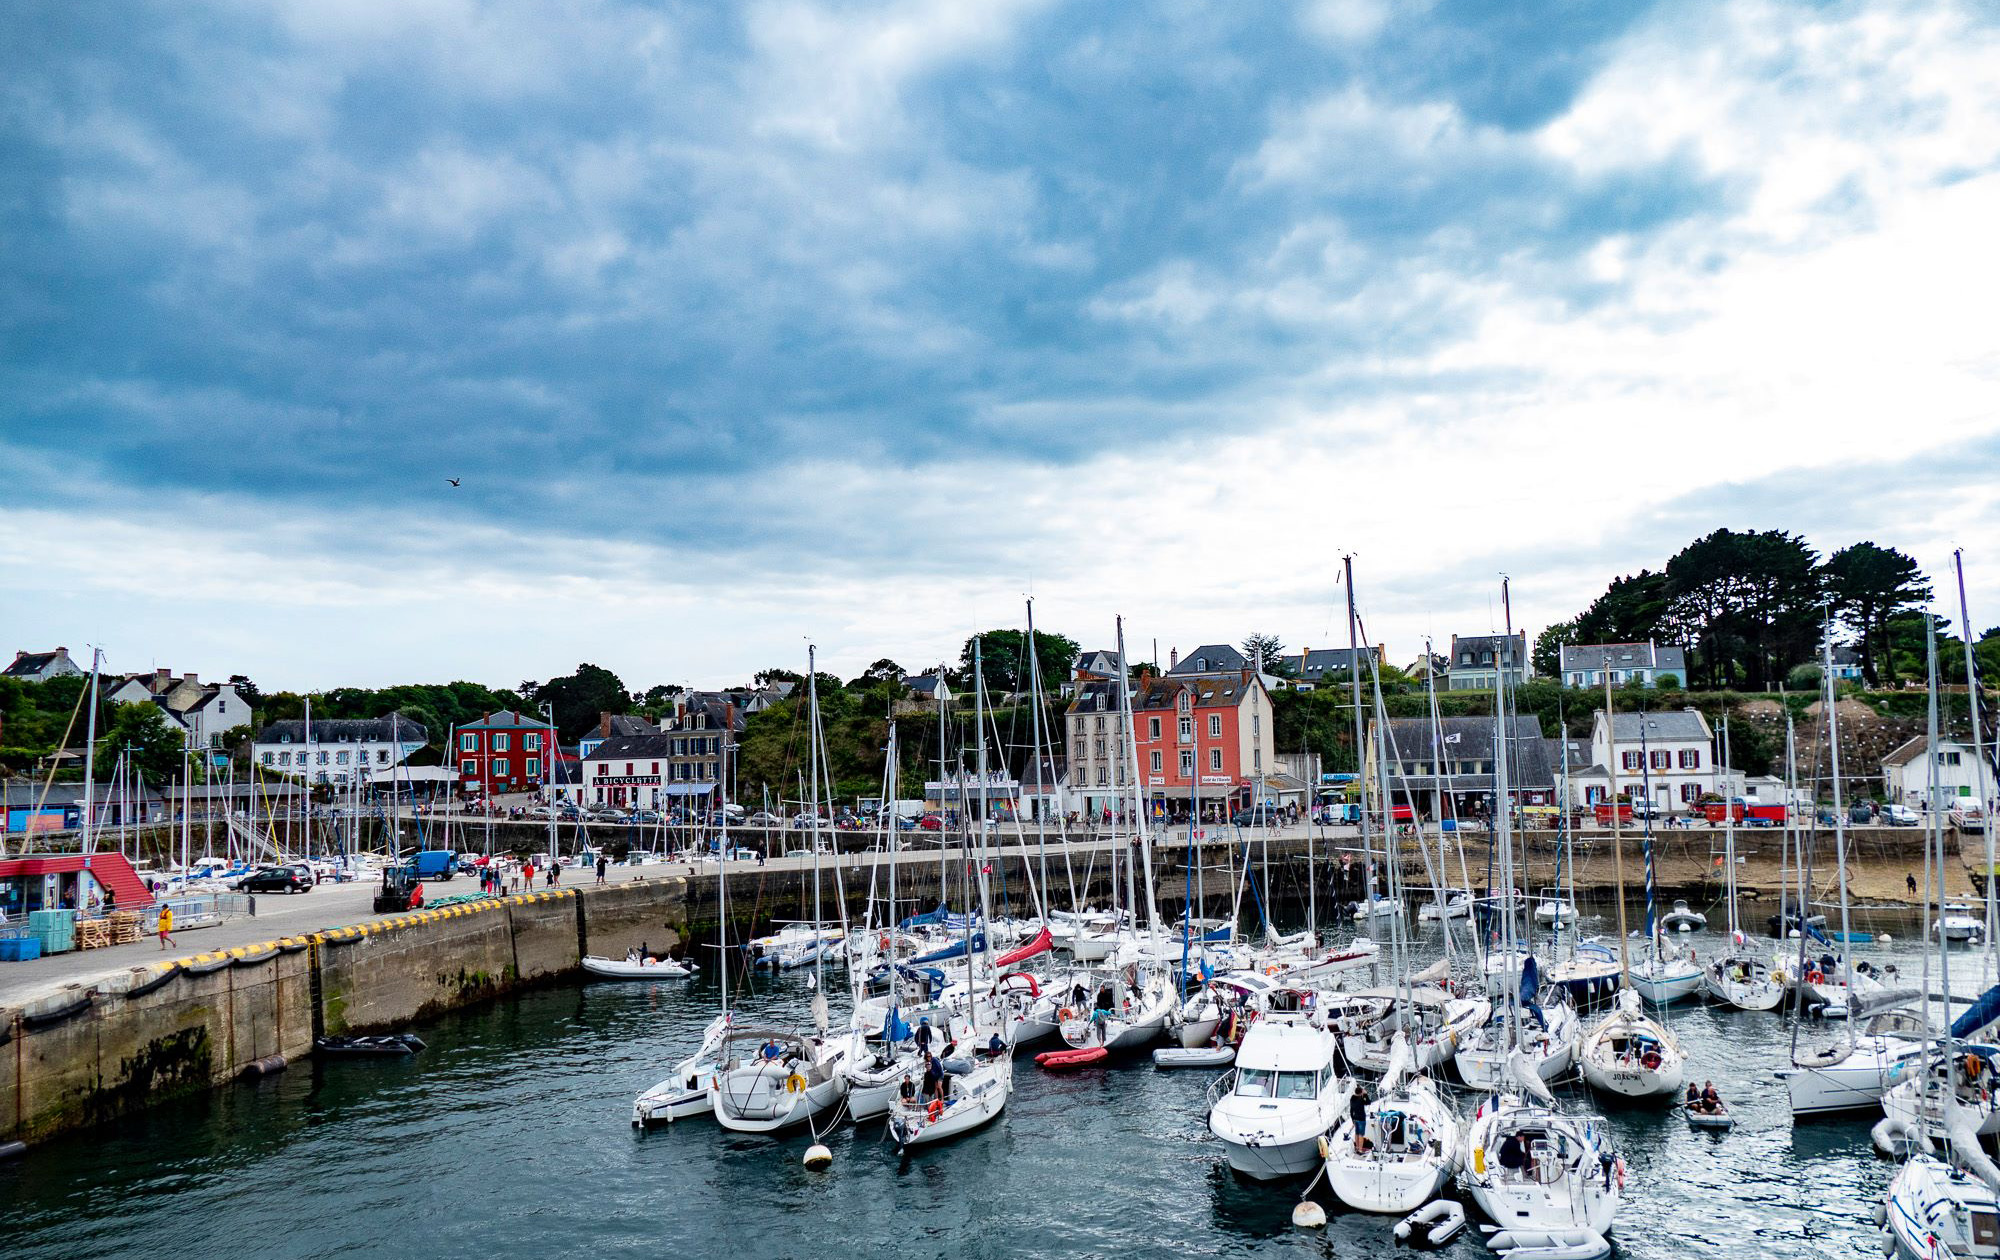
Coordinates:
(452, 480)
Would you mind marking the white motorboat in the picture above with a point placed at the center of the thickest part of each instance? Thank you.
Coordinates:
(1553, 910)
(771, 1079)
(1959, 923)
(1682, 919)
(973, 1098)
(1222, 1012)
(1535, 1169)
(1377, 908)
(1431, 1022)
(1282, 1097)
(1632, 1055)
(636, 968)
(1404, 1152)
(1934, 1211)
(795, 946)
(1454, 903)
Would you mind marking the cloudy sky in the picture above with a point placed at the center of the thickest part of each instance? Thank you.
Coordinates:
(859, 322)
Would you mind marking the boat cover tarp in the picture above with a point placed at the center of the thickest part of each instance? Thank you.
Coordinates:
(954, 950)
(1531, 982)
(1983, 1012)
(927, 919)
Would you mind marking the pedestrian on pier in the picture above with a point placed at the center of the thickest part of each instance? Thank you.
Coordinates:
(166, 926)
(1911, 880)
(602, 867)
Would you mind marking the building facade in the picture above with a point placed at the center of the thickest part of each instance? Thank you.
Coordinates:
(200, 711)
(1644, 664)
(1961, 779)
(503, 752)
(1100, 774)
(1668, 758)
(1210, 736)
(41, 666)
(1477, 662)
(337, 750)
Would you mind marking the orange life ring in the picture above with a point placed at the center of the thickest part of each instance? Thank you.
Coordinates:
(1065, 1014)
(1814, 977)
(1271, 970)
(935, 1110)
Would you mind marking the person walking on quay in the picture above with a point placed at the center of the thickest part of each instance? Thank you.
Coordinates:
(602, 867)
(1911, 880)
(528, 874)
(555, 872)
(166, 926)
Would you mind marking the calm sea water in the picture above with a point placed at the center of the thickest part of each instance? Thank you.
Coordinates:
(509, 1137)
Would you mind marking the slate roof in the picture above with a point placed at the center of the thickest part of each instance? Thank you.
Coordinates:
(1311, 665)
(1465, 738)
(1098, 695)
(924, 684)
(1209, 691)
(345, 731)
(29, 664)
(1477, 645)
(636, 747)
(1672, 725)
(625, 724)
(1589, 656)
(1213, 658)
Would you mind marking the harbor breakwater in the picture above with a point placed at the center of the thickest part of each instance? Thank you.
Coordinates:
(114, 1043)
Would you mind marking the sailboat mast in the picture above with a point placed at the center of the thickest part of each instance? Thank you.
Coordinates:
(979, 767)
(1934, 847)
(1729, 834)
(1617, 839)
(1360, 758)
(1839, 820)
(812, 799)
(89, 838)
(1980, 770)
(1131, 744)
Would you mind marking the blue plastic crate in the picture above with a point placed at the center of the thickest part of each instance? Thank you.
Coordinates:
(20, 948)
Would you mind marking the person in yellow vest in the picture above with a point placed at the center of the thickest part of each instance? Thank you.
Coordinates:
(166, 926)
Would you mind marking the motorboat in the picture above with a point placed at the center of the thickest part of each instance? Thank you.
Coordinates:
(1405, 1149)
(1682, 919)
(1590, 975)
(1431, 1021)
(1959, 923)
(1377, 908)
(1536, 1169)
(1933, 1211)
(636, 967)
(1555, 908)
(973, 1097)
(797, 945)
(1271, 1110)
(770, 1079)
(1631, 1055)
(1450, 903)
(1225, 1008)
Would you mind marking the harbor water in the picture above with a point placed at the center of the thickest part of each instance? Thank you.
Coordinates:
(509, 1137)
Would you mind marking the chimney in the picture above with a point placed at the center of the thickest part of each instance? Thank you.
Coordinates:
(1173, 658)
(161, 677)
(193, 679)
(1257, 659)
(603, 724)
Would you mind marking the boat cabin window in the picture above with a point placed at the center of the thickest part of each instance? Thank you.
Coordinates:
(1298, 1084)
(1255, 1082)
(1985, 1230)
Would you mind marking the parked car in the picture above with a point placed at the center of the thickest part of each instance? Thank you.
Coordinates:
(1900, 816)
(1256, 816)
(931, 822)
(804, 822)
(763, 818)
(284, 879)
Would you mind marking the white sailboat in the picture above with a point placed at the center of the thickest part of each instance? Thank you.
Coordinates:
(1405, 1149)
(1933, 1211)
(1740, 976)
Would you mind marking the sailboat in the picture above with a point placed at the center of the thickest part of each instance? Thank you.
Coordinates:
(1940, 1208)
(1740, 976)
(977, 1092)
(770, 1079)
(876, 1075)
(1535, 1170)
(1847, 1074)
(1629, 1053)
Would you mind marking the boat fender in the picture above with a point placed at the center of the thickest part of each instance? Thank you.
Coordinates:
(1308, 1215)
(1323, 1152)
(817, 1156)
(1881, 1215)
(269, 1065)
(1479, 1160)
(1618, 1170)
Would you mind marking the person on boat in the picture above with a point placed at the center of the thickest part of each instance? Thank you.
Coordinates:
(934, 1078)
(996, 1045)
(1693, 1096)
(907, 1091)
(924, 1036)
(1710, 1100)
(1513, 1156)
(1357, 1114)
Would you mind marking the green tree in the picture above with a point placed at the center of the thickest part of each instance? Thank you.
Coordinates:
(578, 698)
(1004, 659)
(1869, 586)
(154, 743)
(1748, 602)
(1270, 645)
(1547, 654)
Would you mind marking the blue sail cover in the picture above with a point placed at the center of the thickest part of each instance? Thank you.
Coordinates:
(1531, 982)
(894, 1029)
(924, 920)
(954, 950)
(1983, 1012)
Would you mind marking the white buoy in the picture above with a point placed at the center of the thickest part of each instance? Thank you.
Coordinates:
(817, 1156)
(1792, 935)
(1308, 1215)
(1885, 938)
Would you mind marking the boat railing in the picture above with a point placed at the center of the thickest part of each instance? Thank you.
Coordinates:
(1222, 1085)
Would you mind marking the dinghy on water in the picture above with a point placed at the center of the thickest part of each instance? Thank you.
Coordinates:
(1550, 1244)
(1682, 919)
(1432, 1225)
(637, 968)
(1200, 1057)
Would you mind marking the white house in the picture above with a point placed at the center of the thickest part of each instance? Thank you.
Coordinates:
(1668, 757)
(1585, 664)
(335, 750)
(40, 666)
(1961, 778)
(200, 711)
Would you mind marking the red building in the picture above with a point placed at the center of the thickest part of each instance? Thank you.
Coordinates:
(1211, 736)
(503, 752)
